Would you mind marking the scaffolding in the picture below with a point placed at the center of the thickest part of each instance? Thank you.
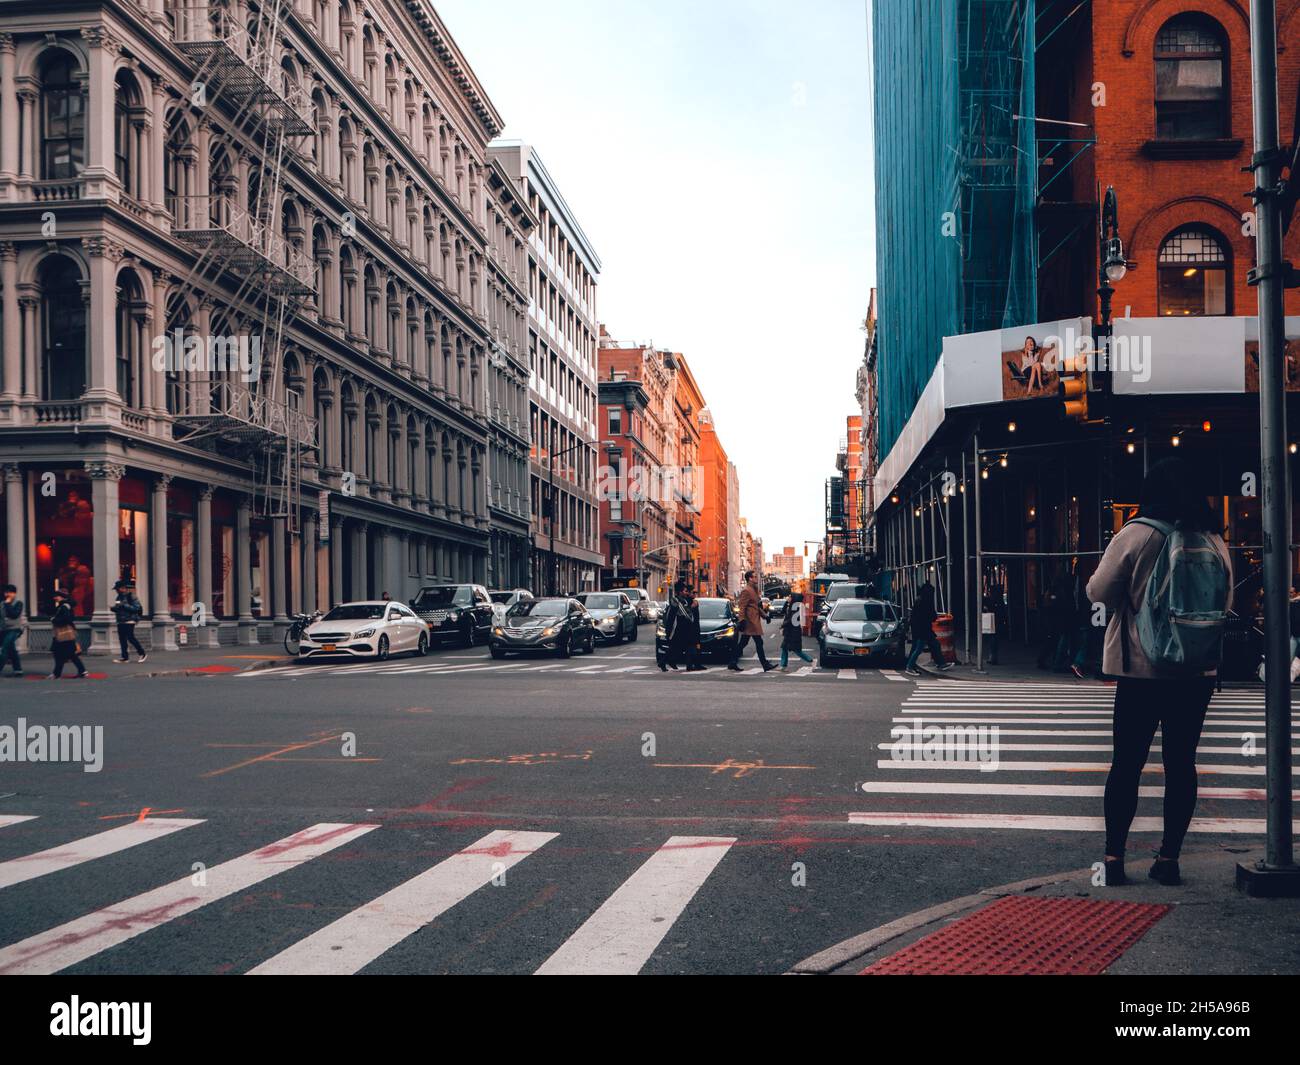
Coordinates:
(260, 420)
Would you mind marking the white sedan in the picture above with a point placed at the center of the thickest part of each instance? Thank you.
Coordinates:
(377, 628)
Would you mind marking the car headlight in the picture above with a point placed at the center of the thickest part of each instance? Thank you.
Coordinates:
(550, 630)
(498, 631)
(363, 634)
(730, 630)
(607, 623)
(661, 632)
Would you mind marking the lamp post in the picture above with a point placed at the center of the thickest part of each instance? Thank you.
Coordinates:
(1111, 268)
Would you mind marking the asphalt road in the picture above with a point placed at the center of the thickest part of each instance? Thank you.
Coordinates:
(586, 815)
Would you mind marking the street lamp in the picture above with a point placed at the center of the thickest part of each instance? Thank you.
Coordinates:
(1111, 264)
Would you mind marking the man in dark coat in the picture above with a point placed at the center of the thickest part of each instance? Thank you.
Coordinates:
(922, 624)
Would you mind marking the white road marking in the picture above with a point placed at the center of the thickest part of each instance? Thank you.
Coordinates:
(1066, 767)
(73, 942)
(358, 938)
(619, 938)
(1051, 823)
(30, 866)
(15, 819)
(848, 674)
(889, 674)
(1091, 791)
(806, 671)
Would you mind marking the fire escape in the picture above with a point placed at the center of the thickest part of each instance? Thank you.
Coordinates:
(242, 248)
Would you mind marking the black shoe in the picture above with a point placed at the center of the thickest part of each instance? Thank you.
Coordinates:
(1114, 873)
(1166, 872)
(768, 666)
(663, 668)
(735, 669)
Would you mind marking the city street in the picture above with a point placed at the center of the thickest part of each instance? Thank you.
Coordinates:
(588, 815)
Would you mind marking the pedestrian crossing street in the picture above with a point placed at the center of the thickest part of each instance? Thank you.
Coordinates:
(617, 938)
(1053, 753)
(628, 665)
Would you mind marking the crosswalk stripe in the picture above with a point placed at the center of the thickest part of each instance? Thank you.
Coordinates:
(619, 938)
(1062, 767)
(1050, 823)
(15, 819)
(890, 675)
(1098, 732)
(30, 866)
(358, 938)
(919, 746)
(984, 719)
(848, 674)
(73, 942)
(804, 672)
(1090, 791)
(629, 669)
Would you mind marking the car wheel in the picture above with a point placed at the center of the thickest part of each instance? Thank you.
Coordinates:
(619, 634)
(467, 637)
(496, 651)
(632, 638)
(591, 644)
(422, 645)
(381, 652)
(823, 660)
(564, 648)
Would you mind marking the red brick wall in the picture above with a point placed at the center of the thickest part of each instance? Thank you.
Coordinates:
(1156, 196)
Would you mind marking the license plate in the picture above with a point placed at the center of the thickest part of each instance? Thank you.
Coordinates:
(862, 650)
(331, 647)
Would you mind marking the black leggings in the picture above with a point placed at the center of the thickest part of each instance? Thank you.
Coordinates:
(125, 636)
(1177, 708)
(65, 651)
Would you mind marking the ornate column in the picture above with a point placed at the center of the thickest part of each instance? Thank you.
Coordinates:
(100, 176)
(16, 540)
(8, 118)
(104, 478)
(102, 400)
(164, 627)
(158, 386)
(360, 584)
(307, 546)
(279, 600)
(337, 547)
(13, 338)
(29, 305)
(157, 149)
(244, 572)
(27, 103)
(209, 634)
(383, 564)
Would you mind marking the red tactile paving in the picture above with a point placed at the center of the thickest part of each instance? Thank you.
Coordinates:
(1024, 936)
(215, 669)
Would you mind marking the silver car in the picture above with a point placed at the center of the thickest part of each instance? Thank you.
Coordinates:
(613, 614)
(865, 630)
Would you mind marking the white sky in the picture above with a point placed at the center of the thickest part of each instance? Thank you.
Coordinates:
(717, 154)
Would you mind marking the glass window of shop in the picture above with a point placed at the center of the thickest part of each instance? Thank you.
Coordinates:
(64, 544)
(260, 550)
(181, 589)
(223, 556)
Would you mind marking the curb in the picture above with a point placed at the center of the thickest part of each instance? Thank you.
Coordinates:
(841, 954)
(202, 671)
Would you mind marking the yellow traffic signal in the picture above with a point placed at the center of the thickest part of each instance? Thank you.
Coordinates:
(1073, 388)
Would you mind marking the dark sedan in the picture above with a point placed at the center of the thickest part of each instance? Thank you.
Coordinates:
(719, 632)
(553, 626)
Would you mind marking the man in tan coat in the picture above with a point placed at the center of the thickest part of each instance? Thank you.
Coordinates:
(749, 604)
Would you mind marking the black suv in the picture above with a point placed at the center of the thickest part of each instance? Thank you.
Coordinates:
(461, 613)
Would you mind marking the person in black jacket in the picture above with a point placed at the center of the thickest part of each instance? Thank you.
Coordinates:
(11, 629)
(922, 623)
(64, 648)
(792, 631)
(682, 625)
(127, 608)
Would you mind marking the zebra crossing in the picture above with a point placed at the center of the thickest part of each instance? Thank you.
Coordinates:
(621, 666)
(1061, 732)
(619, 937)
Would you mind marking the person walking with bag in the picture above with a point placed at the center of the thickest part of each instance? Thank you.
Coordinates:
(682, 626)
(792, 631)
(64, 635)
(12, 625)
(1166, 583)
(749, 605)
(922, 624)
(128, 610)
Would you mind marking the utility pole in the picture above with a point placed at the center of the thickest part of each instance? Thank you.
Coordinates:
(1277, 875)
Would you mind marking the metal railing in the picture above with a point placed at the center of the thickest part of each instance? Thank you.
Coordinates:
(206, 220)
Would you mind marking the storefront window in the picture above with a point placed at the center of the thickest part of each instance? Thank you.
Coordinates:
(180, 550)
(64, 544)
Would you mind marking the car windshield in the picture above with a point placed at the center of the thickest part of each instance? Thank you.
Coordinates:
(846, 591)
(356, 612)
(712, 609)
(600, 602)
(540, 608)
(862, 612)
(500, 597)
(451, 595)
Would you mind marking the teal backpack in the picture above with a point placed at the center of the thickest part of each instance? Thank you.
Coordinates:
(1181, 619)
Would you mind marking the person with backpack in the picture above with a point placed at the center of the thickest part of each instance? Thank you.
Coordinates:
(792, 631)
(128, 610)
(922, 626)
(1166, 583)
(11, 629)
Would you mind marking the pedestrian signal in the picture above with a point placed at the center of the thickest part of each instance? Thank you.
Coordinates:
(1073, 387)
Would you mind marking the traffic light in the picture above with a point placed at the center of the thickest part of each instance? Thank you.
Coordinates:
(1073, 387)
(645, 546)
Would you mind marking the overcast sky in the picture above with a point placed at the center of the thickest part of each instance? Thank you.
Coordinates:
(717, 154)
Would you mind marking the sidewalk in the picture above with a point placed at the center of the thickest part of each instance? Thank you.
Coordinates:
(196, 661)
(1061, 924)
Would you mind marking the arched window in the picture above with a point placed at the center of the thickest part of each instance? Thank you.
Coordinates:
(176, 378)
(131, 306)
(1191, 79)
(348, 430)
(63, 329)
(63, 119)
(1193, 273)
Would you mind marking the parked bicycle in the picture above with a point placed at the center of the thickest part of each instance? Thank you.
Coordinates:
(299, 624)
